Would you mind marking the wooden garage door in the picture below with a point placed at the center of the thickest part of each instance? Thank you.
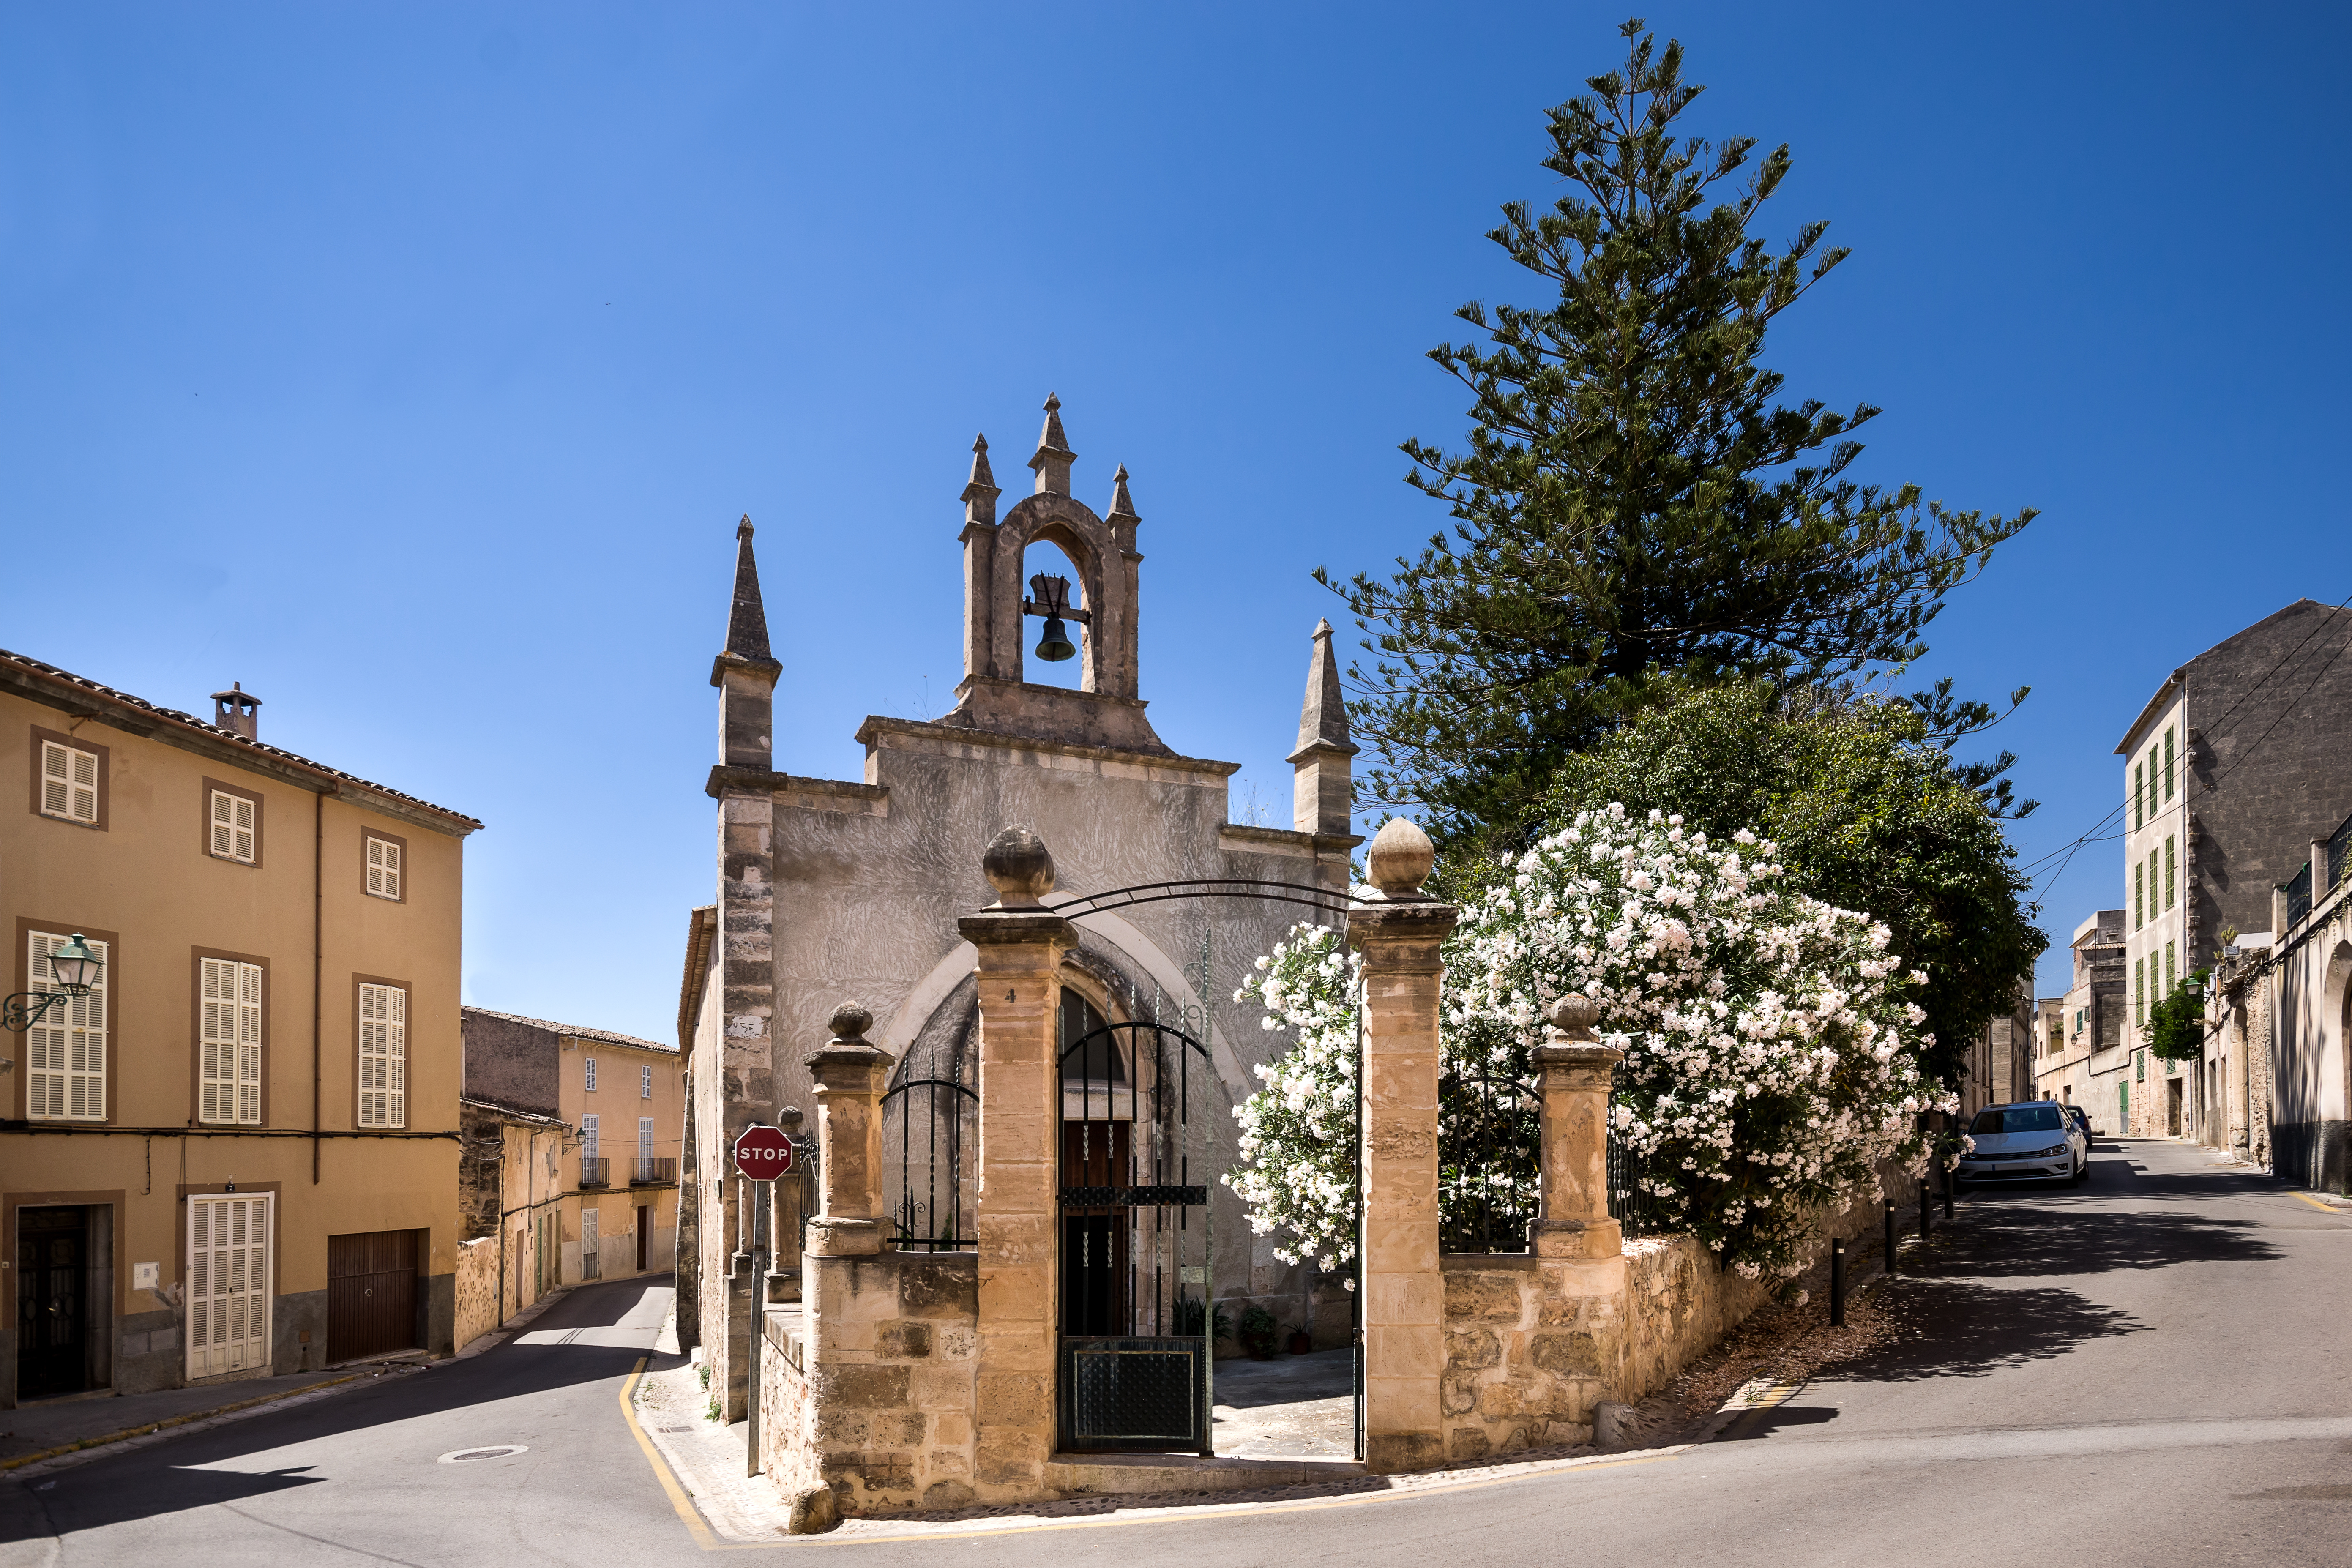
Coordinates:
(370, 1293)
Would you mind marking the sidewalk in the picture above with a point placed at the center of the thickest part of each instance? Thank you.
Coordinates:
(47, 1428)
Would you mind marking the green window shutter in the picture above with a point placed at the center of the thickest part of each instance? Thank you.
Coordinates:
(2167, 763)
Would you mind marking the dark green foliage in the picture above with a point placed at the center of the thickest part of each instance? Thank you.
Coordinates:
(1637, 500)
(2176, 1025)
(1870, 814)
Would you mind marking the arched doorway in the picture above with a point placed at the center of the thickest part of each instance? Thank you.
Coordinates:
(1136, 1319)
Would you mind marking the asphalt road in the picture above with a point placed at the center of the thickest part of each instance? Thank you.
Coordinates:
(2149, 1369)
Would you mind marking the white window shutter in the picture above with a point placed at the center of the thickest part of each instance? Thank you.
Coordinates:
(644, 1083)
(383, 867)
(590, 1082)
(383, 1055)
(65, 1053)
(644, 1137)
(233, 826)
(588, 1138)
(229, 1048)
(69, 782)
(228, 1283)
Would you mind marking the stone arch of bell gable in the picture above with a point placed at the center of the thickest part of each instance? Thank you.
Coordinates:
(1071, 527)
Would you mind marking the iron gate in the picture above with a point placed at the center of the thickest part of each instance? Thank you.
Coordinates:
(1137, 1324)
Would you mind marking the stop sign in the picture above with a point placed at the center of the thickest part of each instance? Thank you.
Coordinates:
(763, 1154)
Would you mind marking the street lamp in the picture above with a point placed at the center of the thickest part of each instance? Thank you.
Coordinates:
(75, 971)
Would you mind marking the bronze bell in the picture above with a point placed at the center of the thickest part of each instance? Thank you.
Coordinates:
(1055, 645)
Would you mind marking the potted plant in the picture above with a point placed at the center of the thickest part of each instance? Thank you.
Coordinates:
(1258, 1329)
(1301, 1341)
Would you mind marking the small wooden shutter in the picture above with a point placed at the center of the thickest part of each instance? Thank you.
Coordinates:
(68, 782)
(644, 1083)
(590, 1082)
(383, 867)
(230, 1072)
(232, 824)
(229, 1284)
(383, 1054)
(65, 1065)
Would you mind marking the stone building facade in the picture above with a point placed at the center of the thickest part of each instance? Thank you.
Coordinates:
(838, 889)
(2084, 1056)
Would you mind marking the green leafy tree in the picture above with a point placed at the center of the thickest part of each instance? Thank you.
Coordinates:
(1636, 499)
(1869, 811)
(2176, 1025)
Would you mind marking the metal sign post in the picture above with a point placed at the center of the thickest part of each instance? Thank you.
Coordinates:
(761, 1154)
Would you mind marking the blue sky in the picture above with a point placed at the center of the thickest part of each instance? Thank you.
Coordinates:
(411, 364)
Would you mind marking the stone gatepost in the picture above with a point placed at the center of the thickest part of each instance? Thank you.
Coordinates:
(1575, 1069)
(786, 1203)
(1022, 945)
(848, 1071)
(1404, 1293)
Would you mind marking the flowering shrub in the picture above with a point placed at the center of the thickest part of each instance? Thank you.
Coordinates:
(1297, 1146)
(1770, 1049)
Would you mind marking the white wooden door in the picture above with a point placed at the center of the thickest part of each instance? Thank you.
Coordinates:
(228, 1283)
(588, 1268)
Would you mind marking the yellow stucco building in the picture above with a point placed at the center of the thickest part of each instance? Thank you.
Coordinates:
(238, 1153)
(571, 1152)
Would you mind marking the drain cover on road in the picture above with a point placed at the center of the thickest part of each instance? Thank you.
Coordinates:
(466, 1456)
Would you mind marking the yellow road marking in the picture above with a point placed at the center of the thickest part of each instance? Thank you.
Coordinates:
(2315, 1203)
(678, 1497)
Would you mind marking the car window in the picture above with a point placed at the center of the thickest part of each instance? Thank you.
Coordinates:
(2018, 1118)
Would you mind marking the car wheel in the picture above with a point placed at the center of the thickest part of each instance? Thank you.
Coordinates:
(2082, 1171)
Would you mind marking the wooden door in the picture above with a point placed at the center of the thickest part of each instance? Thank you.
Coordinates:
(229, 1284)
(645, 1235)
(52, 1300)
(371, 1294)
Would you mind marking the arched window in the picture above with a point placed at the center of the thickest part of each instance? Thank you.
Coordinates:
(1102, 1060)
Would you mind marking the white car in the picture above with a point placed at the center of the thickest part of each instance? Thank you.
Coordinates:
(2032, 1140)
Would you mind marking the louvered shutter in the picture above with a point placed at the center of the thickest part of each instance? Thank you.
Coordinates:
(69, 782)
(228, 1283)
(229, 1046)
(232, 824)
(588, 1138)
(383, 1055)
(65, 1065)
(383, 867)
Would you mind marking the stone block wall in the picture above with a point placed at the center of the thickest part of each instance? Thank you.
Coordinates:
(1533, 1343)
(879, 1405)
(476, 1289)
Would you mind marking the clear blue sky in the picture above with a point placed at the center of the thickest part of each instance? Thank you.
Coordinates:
(410, 362)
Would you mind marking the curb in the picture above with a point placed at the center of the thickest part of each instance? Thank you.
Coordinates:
(149, 1427)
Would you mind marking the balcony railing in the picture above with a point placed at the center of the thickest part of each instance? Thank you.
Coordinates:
(2298, 896)
(593, 1173)
(653, 1171)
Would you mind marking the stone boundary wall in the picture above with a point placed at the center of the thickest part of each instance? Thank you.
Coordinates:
(881, 1407)
(1532, 1344)
(476, 1289)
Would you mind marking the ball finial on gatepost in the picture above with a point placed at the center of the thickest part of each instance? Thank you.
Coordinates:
(1399, 859)
(1019, 868)
(849, 1023)
(1572, 1019)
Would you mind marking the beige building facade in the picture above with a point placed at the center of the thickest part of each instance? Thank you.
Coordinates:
(236, 1154)
(571, 1152)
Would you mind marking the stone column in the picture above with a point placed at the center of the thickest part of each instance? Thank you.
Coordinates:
(1576, 1069)
(848, 1071)
(1404, 1293)
(1021, 947)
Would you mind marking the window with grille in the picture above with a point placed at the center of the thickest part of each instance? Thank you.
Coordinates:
(383, 1055)
(228, 1046)
(228, 1283)
(65, 1053)
(69, 784)
(385, 872)
(2172, 869)
(590, 1064)
(644, 1083)
(235, 824)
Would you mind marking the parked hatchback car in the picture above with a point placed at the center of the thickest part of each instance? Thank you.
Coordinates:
(2032, 1140)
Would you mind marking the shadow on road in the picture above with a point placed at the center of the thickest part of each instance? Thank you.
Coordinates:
(1959, 1327)
(181, 1474)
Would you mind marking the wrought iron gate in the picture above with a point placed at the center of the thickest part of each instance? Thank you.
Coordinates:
(1136, 1312)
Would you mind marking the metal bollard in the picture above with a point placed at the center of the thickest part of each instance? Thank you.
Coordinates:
(1947, 1194)
(1837, 1282)
(1924, 1208)
(1890, 1238)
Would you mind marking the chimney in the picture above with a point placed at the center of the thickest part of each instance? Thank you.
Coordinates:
(238, 710)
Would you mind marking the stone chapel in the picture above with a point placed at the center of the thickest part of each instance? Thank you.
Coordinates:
(835, 890)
